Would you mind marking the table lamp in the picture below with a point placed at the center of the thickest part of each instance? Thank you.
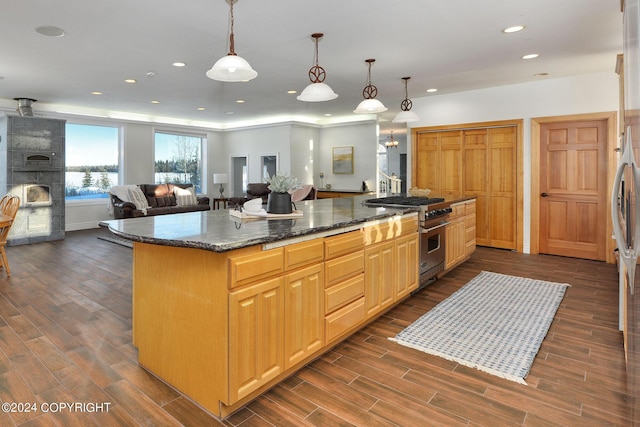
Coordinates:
(220, 178)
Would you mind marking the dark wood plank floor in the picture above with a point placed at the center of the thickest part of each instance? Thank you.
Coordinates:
(65, 337)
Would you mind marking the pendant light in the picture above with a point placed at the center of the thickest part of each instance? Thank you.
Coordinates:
(231, 68)
(406, 115)
(317, 91)
(370, 103)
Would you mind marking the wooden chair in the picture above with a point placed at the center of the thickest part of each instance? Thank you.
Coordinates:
(9, 205)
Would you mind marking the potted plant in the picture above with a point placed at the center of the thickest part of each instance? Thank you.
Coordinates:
(279, 200)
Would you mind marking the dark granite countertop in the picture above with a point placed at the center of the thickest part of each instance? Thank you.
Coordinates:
(218, 231)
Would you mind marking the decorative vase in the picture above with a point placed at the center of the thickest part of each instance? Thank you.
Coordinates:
(279, 203)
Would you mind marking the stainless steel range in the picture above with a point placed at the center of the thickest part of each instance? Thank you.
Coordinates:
(432, 214)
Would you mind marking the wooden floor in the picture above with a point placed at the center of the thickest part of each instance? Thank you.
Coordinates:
(65, 337)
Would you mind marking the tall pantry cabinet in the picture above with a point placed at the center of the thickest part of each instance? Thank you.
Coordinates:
(478, 160)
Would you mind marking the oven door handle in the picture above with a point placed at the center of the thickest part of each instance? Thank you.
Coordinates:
(428, 230)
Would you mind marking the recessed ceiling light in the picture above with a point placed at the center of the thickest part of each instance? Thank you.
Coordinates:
(50, 31)
(151, 73)
(179, 64)
(240, 101)
(155, 102)
(130, 81)
(513, 29)
(201, 108)
(96, 92)
(327, 114)
(228, 113)
(292, 91)
(432, 90)
(530, 56)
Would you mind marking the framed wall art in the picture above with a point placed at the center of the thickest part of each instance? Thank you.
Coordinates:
(342, 160)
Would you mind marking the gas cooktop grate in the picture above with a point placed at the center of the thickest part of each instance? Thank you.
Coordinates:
(405, 201)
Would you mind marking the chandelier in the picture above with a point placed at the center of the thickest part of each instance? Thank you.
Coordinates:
(391, 143)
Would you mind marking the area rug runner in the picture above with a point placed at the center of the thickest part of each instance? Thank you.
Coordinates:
(494, 323)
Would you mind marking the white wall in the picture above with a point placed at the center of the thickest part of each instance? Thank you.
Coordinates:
(305, 144)
(588, 93)
(572, 95)
(256, 142)
(364, 139)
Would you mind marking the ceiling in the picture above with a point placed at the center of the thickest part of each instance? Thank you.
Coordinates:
(449, 45)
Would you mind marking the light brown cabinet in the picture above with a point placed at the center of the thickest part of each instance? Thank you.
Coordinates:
(379, 278)
(303, 313)
(224, 327)
(460, 233)
(407, 249)
(344, 284)
(479, 161)
(256, 338)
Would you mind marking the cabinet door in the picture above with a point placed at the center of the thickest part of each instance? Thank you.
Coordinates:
(256, 343)
(379, 277)
(407, 260)
(304, 313)
(456, 242)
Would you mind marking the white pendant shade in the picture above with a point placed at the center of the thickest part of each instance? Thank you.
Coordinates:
(317, 92)
(370, 106)
(405, 117)
(232, 68)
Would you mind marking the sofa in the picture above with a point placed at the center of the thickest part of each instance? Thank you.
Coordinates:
(254, 190)
(259, 189)
(132, 201)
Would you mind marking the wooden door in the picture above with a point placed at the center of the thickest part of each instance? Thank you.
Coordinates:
(573, 180)
(427, 168)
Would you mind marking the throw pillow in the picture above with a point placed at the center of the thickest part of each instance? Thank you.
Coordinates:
(136, 196)
(185, 196)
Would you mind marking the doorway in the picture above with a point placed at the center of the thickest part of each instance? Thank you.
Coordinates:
(268, 165)
(571, 176)
(239, 175)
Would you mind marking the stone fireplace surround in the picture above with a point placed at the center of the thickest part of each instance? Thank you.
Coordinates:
(32, 167)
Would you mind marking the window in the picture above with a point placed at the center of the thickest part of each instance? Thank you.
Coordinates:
(91, 161)
(178, 159)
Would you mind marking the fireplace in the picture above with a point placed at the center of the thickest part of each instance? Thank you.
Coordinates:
(32, 168)
(37, 195)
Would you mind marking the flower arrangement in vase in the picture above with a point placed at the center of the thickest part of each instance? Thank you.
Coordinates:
(279, 200)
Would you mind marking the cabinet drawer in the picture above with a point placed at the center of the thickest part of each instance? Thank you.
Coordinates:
(457, 210)
(470, 221)
(469, 207)
(470, 234)
(301, 254)
(406, 226)
(344, 319)
(378, 233)
(339, 269)
(343, 293)
(247, 268)
(342, 244)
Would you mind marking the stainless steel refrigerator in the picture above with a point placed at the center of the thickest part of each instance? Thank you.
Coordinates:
(625, 196)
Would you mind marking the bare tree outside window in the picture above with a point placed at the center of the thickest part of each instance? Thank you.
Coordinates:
(178, 159)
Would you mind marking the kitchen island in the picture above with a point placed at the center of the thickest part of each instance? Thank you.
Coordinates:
(224, 308)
